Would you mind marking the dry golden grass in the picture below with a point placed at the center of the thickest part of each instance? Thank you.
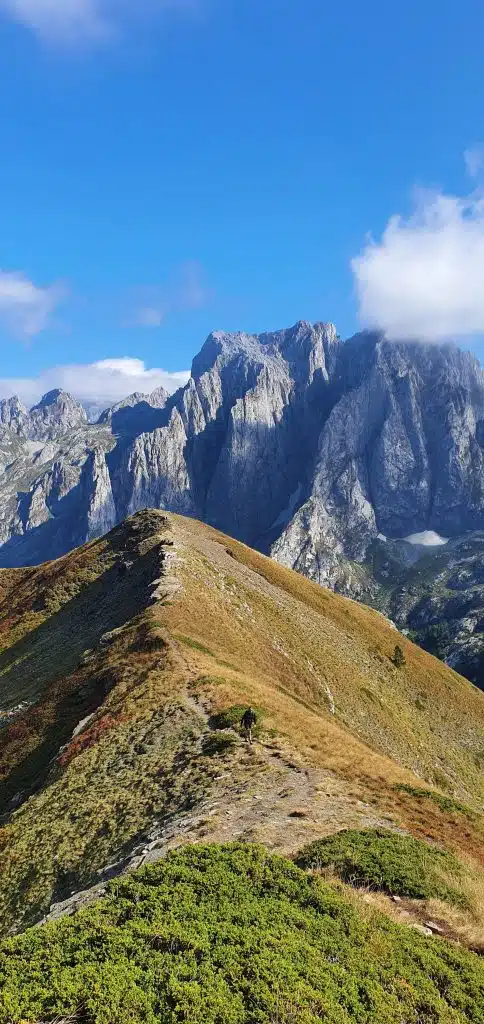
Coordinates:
(458, 924)
(279, 640)
(240, 629)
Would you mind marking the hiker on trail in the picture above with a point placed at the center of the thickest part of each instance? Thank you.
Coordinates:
(248, 721)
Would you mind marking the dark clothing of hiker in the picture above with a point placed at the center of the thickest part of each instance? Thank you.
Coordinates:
(248, 721)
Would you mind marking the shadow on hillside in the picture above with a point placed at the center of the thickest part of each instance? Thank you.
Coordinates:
(65, 530)
(53, 648)
(266, 470)
(141, 418)
(34, 669)
(67, 527)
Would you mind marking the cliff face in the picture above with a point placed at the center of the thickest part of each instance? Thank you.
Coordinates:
(234, 442)
(324, 454)
(400, 453)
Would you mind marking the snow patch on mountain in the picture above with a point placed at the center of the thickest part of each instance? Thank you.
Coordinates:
(427, 539)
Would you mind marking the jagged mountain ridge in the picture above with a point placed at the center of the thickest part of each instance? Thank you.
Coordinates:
(294, 442)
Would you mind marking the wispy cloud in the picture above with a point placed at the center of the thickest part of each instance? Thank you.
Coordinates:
(72, 21)
(61, 20)
(425, 277)
(26, 308)
(474, 160)
(95, 384)
(186, 290)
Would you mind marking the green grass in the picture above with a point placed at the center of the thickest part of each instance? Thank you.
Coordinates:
(387, 861)
(194, 644)
(104, 794)
(218, 743)
(232, 935)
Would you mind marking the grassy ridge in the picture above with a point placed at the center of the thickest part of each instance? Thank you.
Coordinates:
(283, 631)
(86, 636)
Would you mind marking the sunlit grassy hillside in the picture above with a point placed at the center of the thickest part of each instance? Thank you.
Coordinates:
(120, 668)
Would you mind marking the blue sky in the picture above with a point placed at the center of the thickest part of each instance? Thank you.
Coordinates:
(219, 164)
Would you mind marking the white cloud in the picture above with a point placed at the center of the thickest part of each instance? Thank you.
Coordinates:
(72, 21)
(98, 384)
(61, 19)
(26, 308)
(187, 289)
(474, 160)
(425, 277)
(149, 316)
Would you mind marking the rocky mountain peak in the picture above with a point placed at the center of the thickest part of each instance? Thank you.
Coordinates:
(304, 346)
(326, 453)
(156, 400)
(222, 348)
(56, 414)
(53, 397)
(13, 414)
(302, 332)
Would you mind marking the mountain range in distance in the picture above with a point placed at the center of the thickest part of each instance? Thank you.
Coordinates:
(358, 463)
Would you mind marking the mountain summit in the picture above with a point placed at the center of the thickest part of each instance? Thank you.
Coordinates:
(331, 456)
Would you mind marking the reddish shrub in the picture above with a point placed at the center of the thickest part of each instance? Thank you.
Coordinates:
(88, 738)
(16, 731)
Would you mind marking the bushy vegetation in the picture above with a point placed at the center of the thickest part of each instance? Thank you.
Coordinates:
(232, 935)
(435, 638)
(398, 657)
(218, 743)
(381, 859)
(231, 718)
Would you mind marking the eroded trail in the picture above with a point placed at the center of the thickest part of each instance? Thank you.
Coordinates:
(261, 793)
(123, 757)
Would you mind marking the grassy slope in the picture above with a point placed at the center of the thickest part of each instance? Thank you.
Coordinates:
(292, 636)
(241, 629)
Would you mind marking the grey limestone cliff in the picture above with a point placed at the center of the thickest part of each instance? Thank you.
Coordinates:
(326, 454)
(400, 453)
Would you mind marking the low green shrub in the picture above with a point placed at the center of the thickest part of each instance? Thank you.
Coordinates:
(218, 743)
(385, 860)
(398, 657)
(232, 935)
(231, 718)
